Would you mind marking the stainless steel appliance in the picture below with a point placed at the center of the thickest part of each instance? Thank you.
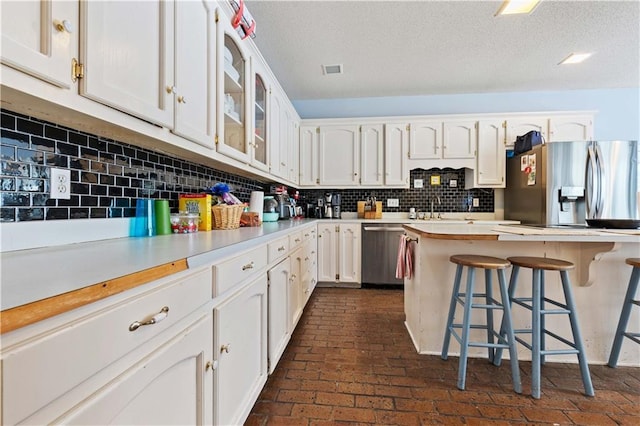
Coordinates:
(285, 207)
(380, 253)
(331, 203)
(574, 182)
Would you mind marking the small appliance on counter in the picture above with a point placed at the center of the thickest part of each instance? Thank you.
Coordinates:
(330, 205)
(270, 210)
(285, 207)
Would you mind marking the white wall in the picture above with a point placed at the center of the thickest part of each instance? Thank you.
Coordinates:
(618, 110)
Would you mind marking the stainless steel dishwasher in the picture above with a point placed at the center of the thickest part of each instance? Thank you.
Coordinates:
(380, 253)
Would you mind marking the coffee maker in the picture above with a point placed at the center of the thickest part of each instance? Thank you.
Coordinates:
(336, 201)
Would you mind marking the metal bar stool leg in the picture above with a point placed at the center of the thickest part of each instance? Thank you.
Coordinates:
(624, 316)
(535, 335)
(489, 300)
(466, 326)
(452, 310)
(577, 336)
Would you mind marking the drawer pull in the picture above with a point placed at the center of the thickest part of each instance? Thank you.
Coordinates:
(281, 248)
(153, 320)
(297, 240)
(247, 266)
(306, 235)
(225, 348)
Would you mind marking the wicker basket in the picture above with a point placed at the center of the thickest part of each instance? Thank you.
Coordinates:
(226, 216)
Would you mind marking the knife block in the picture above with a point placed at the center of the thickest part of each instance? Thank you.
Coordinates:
(372, 214)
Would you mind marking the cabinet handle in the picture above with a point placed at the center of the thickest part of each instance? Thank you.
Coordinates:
(182, 100)
(63, 26)
(306, 235)
(225, 348)
(282, 248)
(247, 266)
(306, 258)
(208, 366)
(170, 89)
(153, 320)
(297, 240)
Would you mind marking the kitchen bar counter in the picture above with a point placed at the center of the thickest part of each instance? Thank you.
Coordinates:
(600, 280)
(84, 272)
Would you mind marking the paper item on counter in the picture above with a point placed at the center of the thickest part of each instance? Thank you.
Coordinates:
(256, 203)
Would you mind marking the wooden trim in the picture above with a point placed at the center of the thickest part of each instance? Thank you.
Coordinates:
(20, 316)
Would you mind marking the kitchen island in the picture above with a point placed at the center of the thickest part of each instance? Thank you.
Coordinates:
(599, 279)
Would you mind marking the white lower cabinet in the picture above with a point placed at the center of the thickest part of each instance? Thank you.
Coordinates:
(295, 289)
(173, 385)
(279, 331)
(339, 252)
(240, 349)
(78, 366)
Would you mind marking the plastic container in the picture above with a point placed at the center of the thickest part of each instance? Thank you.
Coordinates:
(184, 223)
(270, 217)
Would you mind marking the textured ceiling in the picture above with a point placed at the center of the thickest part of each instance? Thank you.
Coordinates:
(442, 47)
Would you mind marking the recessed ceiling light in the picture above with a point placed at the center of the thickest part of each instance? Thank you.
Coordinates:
(575, 58)
(511, 7)
(332, 69)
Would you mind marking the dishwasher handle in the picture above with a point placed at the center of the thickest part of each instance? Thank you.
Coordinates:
(383, 229)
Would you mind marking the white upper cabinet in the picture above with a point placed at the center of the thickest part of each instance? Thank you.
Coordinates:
(293, 141)
(490, 162)
(233, 140)
(259, 146)
(571, 128)
(40, 38)
(372, 155)
(425, 140)
(520, 126)
(195, 79)
(459, 139)
(309, 136)
(127, 49)
(339, 155)
(396, 146)
(277, 135)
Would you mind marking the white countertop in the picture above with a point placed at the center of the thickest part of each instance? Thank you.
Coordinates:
(36, 274)
(525, 233)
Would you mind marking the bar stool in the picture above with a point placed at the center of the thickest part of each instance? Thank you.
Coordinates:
(506, 340)
(629, 301)
(537, 305)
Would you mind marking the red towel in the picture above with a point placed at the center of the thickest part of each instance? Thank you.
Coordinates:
(404, 264)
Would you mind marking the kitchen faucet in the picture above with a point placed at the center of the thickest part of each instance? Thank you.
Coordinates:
(437, 199)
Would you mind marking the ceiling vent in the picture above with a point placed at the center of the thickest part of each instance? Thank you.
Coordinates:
(332, 69)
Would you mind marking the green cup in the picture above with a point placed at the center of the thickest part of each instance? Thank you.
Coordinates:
(163, 217)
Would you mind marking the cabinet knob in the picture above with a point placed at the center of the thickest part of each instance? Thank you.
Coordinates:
(153, 320)
(64, 26)
(170, 89)
(182, 100)
(225, 348)
(209, 366)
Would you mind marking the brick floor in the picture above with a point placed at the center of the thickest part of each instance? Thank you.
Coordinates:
(350, 360)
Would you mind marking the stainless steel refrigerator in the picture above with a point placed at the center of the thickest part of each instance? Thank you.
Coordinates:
(572, 182)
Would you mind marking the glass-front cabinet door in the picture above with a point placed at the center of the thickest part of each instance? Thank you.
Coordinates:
(233, 141)
(259, 145)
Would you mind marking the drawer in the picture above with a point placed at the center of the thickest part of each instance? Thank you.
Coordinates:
(229, 273)
(309, 234)
(50, 365)
(278, 249)
(295, 239)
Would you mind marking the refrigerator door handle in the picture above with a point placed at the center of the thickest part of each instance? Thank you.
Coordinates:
(601, 175)
(592, 184)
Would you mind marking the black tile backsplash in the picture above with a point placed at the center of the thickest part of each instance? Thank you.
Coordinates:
(106, 175)
(452, 199)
